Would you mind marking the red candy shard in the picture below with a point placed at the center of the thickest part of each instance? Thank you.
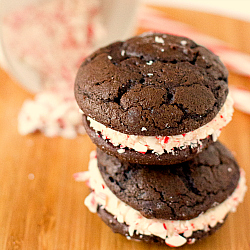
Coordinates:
(61, 123)
(93, 201)
(87, 183)
(166, 139)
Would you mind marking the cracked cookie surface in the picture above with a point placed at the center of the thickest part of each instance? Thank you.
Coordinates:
(179, 192)
(166, 84)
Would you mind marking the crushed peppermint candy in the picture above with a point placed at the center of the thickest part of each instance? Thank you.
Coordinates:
(191, 241)
(175, 241)
(149, 62)
(109, 57)
(31, 176)
(185, 51)
(183, 42)
(159, 39)
(150, 74)
(121, 150)
(71, 29)
(51, 114)
(123, 52)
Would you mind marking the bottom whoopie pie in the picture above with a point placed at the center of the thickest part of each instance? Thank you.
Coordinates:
(174, 205)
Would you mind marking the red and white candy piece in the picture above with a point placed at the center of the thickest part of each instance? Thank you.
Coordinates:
(241, 99)
(81, 176)
(175, 241)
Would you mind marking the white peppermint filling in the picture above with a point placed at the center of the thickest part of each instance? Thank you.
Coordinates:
(169, 230)
(161, 144)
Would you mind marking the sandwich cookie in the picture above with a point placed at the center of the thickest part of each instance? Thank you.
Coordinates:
(153, 99)
(172, 205)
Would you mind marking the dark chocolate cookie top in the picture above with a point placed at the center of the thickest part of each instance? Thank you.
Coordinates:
(164, 83)
(179, 192)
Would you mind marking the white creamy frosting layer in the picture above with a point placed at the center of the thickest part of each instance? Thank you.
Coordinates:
(160, 144)
(169, 230)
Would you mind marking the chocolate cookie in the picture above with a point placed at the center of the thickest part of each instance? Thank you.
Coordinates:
(153, 84)
(179, 192)
(155, 94)
(123, 229)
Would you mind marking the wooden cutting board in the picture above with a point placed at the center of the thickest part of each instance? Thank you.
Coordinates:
(41, 206)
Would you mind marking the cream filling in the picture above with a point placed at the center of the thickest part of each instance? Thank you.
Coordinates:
(169, 230)
(160, 144)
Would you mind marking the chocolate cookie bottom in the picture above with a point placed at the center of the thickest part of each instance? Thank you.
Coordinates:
(123, 229)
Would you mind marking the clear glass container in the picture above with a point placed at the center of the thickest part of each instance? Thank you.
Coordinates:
(117, 17)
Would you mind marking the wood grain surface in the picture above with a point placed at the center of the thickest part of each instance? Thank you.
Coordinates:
(41, 206)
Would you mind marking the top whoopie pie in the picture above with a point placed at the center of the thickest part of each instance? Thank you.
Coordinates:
(153, 99)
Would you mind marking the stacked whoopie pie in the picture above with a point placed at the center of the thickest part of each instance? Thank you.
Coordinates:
(155, 105)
